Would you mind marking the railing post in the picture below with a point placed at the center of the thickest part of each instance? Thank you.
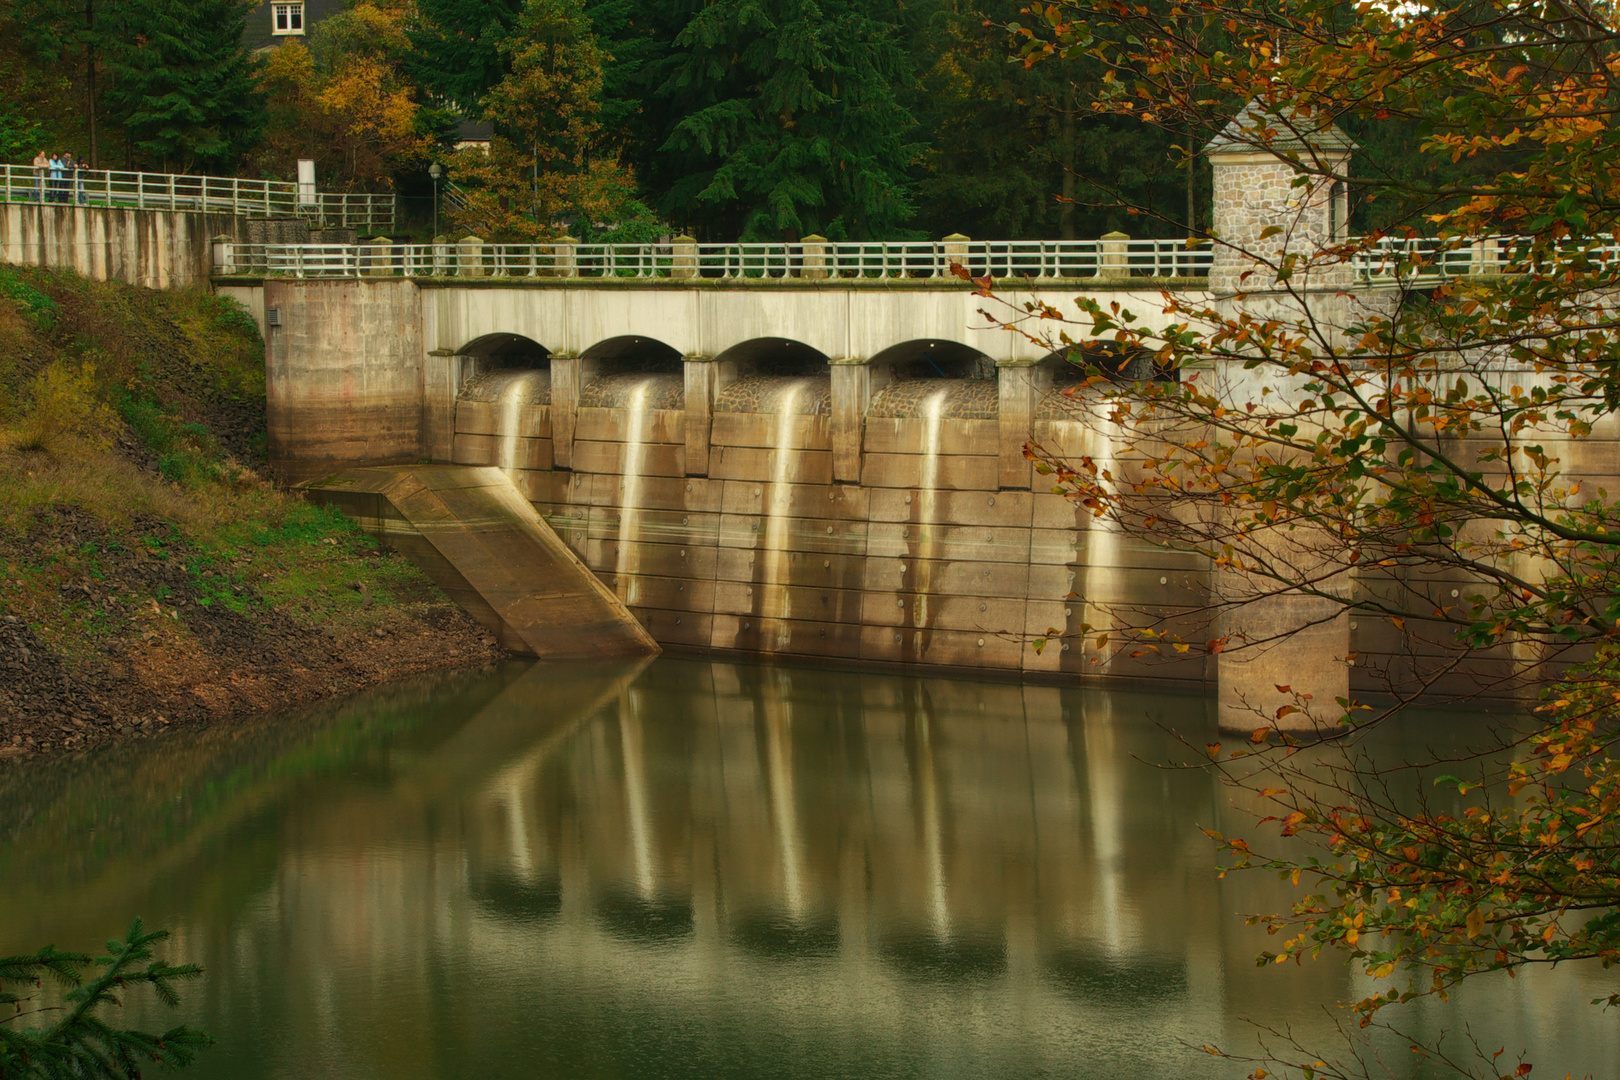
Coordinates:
(470, 256)
(1115, 262)
(1486, 256)
(224, 255)
(683, 257)
(565, 256)
(813, 257)
(955, 250)
(379, 257)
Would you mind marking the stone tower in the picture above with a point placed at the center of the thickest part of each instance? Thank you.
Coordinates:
(1254, 162)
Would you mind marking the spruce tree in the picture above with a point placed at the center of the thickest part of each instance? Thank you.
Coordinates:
(185, 84)
(456, 55)
(782, 119)
(78, 1043)
(1017, 152)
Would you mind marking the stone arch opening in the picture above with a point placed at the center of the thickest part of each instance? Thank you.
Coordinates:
(933, 377)
(628, 370)
(1115, 361)
(504, 350)
(505, 367)
(934, 358)
(775, 357)
(630, 354)
(776, 375)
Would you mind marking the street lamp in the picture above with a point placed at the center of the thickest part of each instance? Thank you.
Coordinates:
(435, 172)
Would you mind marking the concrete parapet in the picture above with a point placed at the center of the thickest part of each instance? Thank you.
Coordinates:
(683, 257)
(470, 252)
(1115, 261)
(813, 256)
(151, 248)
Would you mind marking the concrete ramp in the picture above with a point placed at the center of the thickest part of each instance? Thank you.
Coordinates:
(482, 542)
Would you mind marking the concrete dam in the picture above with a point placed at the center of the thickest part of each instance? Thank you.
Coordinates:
(765, 498)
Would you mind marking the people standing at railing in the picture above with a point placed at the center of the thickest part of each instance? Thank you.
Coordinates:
(67, 179)
(76, 176)
(55, 194)
(42, 171)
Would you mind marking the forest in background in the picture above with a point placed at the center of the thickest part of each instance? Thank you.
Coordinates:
(724, 119)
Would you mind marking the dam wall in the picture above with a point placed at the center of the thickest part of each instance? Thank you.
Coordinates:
(853, 486)
(157, 249)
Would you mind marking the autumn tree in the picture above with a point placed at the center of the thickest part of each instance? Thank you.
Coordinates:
(346, 103)
(548, 168)
(1424, 411)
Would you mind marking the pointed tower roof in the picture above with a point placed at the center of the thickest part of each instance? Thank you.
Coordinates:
(1278, 128)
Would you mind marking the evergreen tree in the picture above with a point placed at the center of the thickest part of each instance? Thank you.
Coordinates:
(456, 54)
(781, 118)
(64, 35)
(79, 1044)
(1017, 152)
(185, 84)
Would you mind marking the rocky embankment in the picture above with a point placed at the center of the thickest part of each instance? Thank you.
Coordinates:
(149, 576)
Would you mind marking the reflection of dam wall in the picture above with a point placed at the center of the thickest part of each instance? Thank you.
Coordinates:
(708, 870)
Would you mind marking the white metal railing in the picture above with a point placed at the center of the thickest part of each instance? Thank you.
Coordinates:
(1391, 260)
(213, 194)
(1111, 258)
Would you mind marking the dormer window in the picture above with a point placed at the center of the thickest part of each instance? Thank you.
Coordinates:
(287, 18)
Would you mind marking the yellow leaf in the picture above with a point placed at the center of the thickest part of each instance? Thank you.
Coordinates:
(1476, 923)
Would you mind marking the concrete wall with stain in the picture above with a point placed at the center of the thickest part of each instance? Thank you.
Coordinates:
(755, 493)
(153, 248)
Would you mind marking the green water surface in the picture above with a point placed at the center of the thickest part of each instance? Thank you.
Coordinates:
(716, 870)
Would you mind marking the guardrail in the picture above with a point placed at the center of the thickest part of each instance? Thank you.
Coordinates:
(211, 194)
(1391, 260)
(1109, 258)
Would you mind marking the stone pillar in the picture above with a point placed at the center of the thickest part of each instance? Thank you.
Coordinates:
(470, 258)
(1115, 261)
(814, 251)
(1283, 645)
(441, 385)
(565, 256)
(443, 256)
(224, 255)
(683, 258)
(955, 250)
(1022, 384)
(1486, 256)
(853, 383)
(569, 374)
(705, 378)
(379, 257)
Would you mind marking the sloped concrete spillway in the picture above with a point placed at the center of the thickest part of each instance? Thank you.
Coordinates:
(484, 544)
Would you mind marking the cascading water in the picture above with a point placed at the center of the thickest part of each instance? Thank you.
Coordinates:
(1103, 544)
(933, 410)
(514, 395)
(779, 500)
(630, 468)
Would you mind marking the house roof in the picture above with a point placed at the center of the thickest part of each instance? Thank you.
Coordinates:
(1278, 127)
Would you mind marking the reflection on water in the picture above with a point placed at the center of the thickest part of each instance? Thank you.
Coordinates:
(699, 870)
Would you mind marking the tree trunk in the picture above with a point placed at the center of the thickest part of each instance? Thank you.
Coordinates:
(90, 74)
(1066, 151)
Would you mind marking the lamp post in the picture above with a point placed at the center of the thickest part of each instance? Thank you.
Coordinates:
(435, 172)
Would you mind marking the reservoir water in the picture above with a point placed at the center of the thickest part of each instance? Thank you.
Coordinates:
(716, 870)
